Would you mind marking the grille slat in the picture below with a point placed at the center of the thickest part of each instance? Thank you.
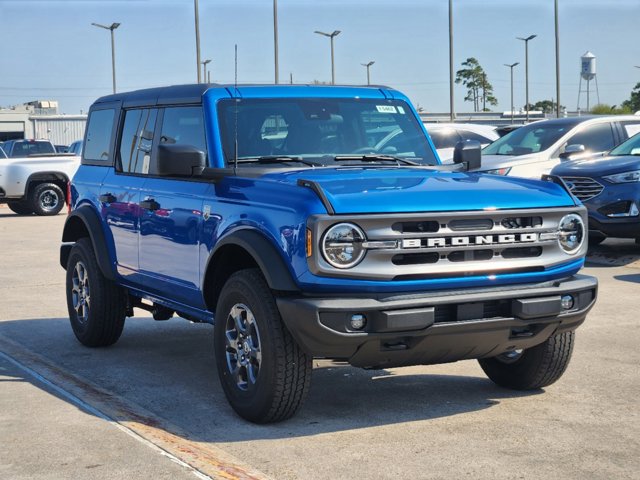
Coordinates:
(584, 188)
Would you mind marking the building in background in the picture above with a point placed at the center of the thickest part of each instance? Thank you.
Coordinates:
(40, 120)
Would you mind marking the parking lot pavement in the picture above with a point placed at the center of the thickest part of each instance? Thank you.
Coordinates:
(418, 422)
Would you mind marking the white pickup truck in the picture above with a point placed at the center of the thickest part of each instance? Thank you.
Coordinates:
(37, 183)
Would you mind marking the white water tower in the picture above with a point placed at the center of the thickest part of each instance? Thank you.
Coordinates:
(588, 73)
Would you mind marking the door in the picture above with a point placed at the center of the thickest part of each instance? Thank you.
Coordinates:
(121, 189)
(172, 216)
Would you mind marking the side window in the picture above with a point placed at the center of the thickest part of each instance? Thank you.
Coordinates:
(98, 140)
(631, 128)
(136, 140)
(184, 126)
(595, 138)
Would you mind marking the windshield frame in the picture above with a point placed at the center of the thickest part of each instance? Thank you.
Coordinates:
(225, 122)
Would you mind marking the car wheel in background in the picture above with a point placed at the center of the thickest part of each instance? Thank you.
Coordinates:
(47, 199)
(21, 208)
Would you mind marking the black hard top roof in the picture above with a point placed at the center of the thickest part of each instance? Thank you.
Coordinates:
(172, 95)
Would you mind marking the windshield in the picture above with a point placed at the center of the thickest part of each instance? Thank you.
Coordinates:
(322, 129)
(630, 147)
(532, 138)
(24, 148)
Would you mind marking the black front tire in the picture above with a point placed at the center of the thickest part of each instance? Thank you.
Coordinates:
(21, 208)
(97, 306)
(46, 199)
(272, 383)
(535, 367)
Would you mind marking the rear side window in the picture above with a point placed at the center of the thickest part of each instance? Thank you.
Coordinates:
(631, 128)
(31, 147)
(98, 141)
(136, 140)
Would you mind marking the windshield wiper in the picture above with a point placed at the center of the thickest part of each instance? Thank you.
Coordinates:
(375, 158)
(278, 159)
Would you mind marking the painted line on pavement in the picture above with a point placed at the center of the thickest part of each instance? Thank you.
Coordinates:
(204, 460)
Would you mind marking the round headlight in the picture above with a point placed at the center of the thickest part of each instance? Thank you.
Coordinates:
(342, 245)
(571, 233)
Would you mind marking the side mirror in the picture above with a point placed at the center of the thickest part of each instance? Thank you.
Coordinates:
(571, 150)
(468, 153)
(180, 160)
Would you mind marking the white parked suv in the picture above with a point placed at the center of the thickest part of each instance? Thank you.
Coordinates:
(534, 149)
(446, 135)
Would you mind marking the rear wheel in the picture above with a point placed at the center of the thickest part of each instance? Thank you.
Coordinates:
(534, 367)
(21, 208)
(97, 306)
(46, 199)
(264, 373)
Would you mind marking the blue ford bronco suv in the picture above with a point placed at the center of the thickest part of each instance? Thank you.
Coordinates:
(317, 222)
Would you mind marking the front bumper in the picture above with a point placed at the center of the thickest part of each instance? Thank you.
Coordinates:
(437, 327)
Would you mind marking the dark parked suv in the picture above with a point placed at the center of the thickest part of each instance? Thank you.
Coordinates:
(610, 189)
(269, 212)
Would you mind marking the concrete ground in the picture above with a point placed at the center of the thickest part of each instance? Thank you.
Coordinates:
(159, 383)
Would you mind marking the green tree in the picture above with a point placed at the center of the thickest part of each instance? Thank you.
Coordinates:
(479, 90)
(633, 104)
(546, 106)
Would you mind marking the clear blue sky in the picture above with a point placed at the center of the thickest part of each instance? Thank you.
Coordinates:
(49, 50)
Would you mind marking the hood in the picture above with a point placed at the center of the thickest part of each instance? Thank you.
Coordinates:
(598, 167)
(406, 189)
(492, 162)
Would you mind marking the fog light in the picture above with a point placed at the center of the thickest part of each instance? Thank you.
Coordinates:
(567, 302)
(358, 321)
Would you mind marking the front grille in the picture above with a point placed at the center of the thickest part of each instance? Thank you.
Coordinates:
(584, 188)
(439, 245)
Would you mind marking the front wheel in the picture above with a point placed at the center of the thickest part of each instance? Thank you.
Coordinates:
(534, 367)
(264, 373)
(47, 199)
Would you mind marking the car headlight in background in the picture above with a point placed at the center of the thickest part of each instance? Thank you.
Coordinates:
(498, 171)
(342, 245)
(624, 177)
(571, 233)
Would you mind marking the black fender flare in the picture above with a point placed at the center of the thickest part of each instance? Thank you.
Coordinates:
(264, 253)
(81, 220)
(47, 176)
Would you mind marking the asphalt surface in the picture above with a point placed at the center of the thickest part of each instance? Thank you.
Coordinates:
(159, 383)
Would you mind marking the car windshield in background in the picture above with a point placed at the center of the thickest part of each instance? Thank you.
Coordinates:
(31, 147)
(532, 138)
(322, 129)
(630, 147)
(2, 154)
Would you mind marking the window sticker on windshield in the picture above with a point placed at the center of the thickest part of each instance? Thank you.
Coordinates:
(401, 110)
(386, 109)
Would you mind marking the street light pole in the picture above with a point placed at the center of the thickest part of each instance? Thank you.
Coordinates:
(511, 68)
(526, 71)
(368, 66)
(111, 27)
(275, 40)
(197, 20)
(204, 69)
(451, 106)
(331, 36)
(557, 61)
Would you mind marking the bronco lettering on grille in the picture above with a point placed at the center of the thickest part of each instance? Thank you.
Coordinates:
(435, 242)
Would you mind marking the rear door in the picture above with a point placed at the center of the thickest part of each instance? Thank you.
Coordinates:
(172, 215)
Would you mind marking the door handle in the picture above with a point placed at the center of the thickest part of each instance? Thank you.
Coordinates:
(107, 198)
(149, 204)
